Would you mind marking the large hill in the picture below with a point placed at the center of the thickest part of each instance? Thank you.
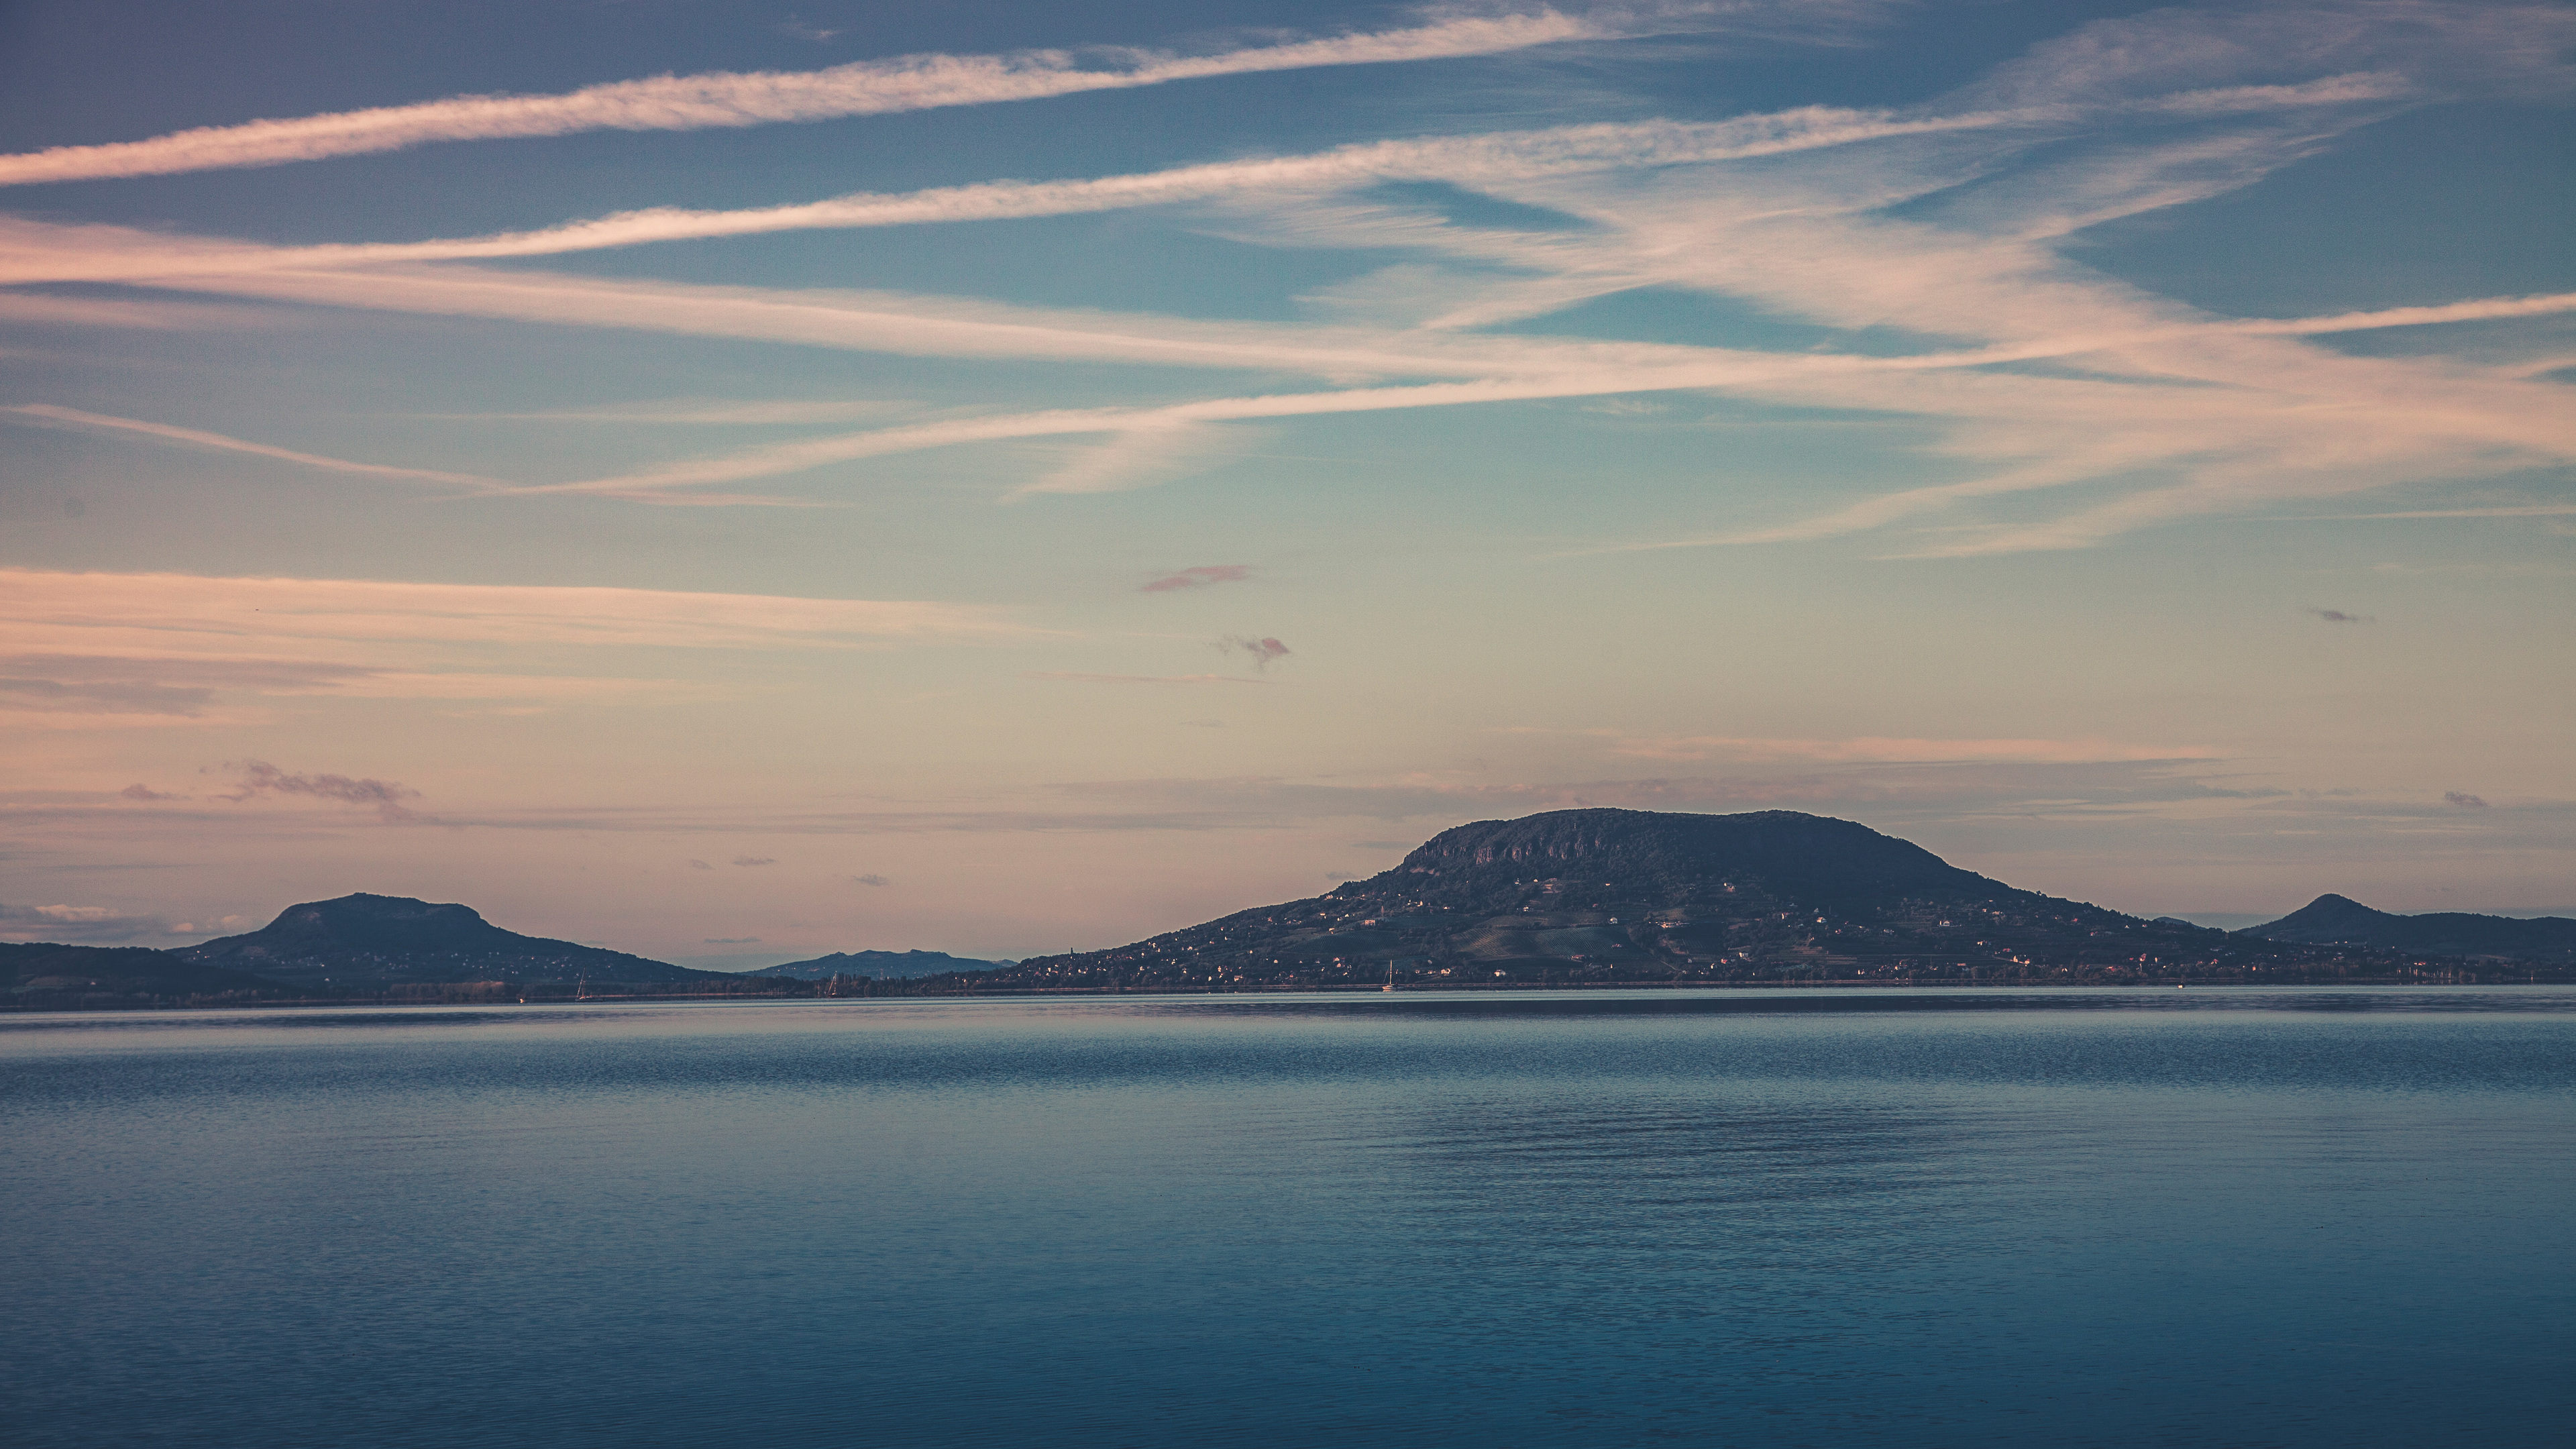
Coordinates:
(361, 942)
(2341, 920)
(1575, 896)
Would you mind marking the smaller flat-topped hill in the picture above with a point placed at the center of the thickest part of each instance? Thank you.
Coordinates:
(360, 941)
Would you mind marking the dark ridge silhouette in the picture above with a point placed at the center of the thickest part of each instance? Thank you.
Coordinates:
(44, 969)
(1811, 855)
(362, 941)
(1599, 896)
(2340, 920)
(884, 965)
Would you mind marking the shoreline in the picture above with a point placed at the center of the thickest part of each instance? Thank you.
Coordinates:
(2525, 979)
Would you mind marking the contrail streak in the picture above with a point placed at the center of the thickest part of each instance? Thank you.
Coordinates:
(74, 417)
(728, 99)
(1464, 160)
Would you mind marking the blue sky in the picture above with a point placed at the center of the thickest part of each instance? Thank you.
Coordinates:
(733, 481)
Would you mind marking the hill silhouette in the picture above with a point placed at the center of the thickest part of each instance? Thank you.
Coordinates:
(2341, 920)
(357, 942)
(1599, 895)
(883, 965)
(47, 973)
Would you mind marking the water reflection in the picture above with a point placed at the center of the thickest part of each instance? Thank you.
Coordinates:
(1970, 1218)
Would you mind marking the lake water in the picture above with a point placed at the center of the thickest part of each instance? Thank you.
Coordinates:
(1931, 1218)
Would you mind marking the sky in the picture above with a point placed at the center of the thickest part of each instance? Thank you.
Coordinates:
(733, 483)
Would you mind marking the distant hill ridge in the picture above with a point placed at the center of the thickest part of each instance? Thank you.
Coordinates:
(2340, 920)
(1604, 895)
(359, 941)
(1566, 897)
(51, 969)
(883, 965)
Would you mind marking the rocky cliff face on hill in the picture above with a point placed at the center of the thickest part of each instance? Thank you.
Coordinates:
(358, 942)
(2341, 920)
(1575, 896)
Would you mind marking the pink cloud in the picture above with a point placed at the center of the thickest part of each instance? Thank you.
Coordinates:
(1200, 577)
(258, 777)
(1260, 651)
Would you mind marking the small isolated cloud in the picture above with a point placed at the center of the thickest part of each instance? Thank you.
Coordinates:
(145, 792)
(755, 860)
(700, 865)
(258, 778)
(872, 880)
(796, 27)
(2465, 802)
(1200, 577)
(2338, 616)
(729, 940)
(1260, 651)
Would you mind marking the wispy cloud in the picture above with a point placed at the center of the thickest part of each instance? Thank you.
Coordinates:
(2462, 800)
(1157, 451)
(864, 88)
(94, 697)
(2338, 616)
(1883, 750)
(1081, 678)
(40, 309)
(257, 778)
(1262, 652)
(185, 614)
(79, 925)
(1503, 158)
(49, 413)
(713, 412)
(2040, 375)
(1199, 577)
(166, 651)
(800, 28)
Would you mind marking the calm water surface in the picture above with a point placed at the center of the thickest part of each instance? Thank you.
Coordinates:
(2205, 1217)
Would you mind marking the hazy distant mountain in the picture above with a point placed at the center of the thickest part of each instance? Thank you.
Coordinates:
(2333, 919)
(46, 969)
(880, 964)
(364, 941)
(1619, 895)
